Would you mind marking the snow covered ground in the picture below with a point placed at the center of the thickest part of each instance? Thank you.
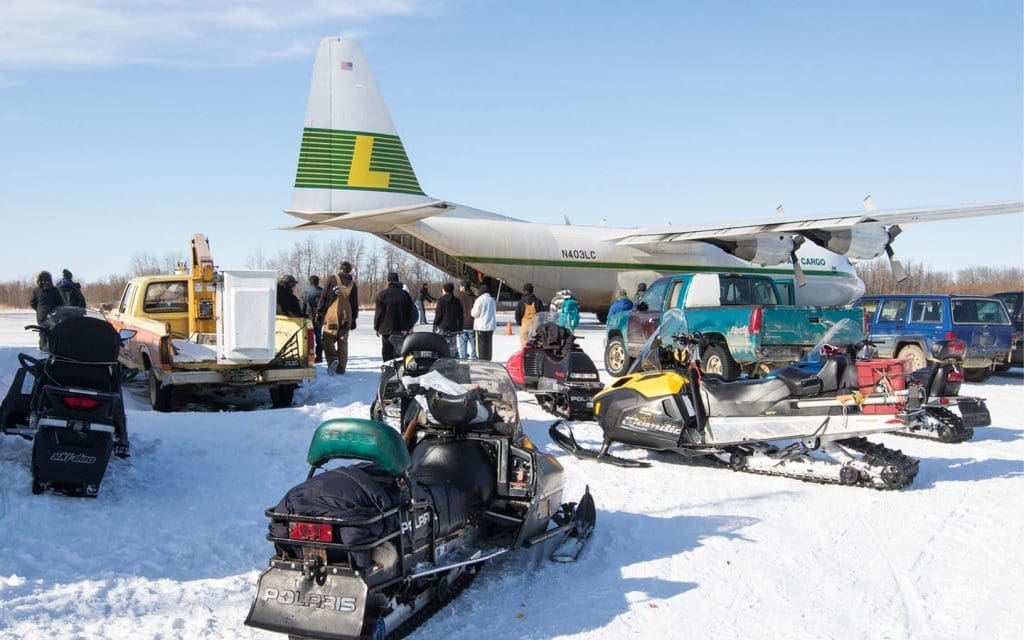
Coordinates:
(172, 546)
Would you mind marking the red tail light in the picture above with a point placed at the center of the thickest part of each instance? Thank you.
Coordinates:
(310, 531)
(955, 375)
(756, 316)
(950, 335)
(80, 402)
(310, 345)
(956, 348)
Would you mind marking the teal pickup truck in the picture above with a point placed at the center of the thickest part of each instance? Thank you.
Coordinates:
(750, 329)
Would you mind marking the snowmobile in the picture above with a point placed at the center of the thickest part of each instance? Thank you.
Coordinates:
(418, 352)
(803, 423)
(373, 549)
(70, 403)
(922, 398)
(556, 370)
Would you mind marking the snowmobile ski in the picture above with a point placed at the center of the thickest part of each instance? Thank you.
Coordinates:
(571, 543)
(567, 441)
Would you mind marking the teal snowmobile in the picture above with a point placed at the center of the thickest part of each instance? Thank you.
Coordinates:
(373, 549)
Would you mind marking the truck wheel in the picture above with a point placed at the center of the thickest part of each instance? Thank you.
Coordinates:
(616, 358)
(977, 375)
(281, 396)
(913, 353)
(718, 361)
(159, 395)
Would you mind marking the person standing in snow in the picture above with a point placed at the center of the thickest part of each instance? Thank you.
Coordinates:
(45, 298)
(621, 303)
(70, 290)
(393, 317)
(287, 302)
(641, 291)
(421, 302)
(338, 309)
(310, 298)
(526, 310)
(484, 309)
(467, 337)
(448, 316)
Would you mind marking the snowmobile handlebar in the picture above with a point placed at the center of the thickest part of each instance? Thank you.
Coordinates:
(37, 328)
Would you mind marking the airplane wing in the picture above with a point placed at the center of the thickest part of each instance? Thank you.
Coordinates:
(831, 222)
(858, 236)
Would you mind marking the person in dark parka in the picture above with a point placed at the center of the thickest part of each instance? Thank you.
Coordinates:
(287, 302)
(70, 290)
(310, 298)
(45, 298)
(394, 316)
(448, 316)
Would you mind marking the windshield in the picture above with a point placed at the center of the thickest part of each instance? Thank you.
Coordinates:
(539, 320)
(979, 311)
(838, 335)
(661, 343)
(456, 377)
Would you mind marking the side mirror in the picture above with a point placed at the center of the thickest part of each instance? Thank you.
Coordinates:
(106, 307)
(642, 306)
(126, 334)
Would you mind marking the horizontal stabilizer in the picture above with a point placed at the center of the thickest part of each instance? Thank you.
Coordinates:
(373, 221)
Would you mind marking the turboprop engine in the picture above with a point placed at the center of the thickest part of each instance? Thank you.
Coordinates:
(761, 250)
(861, 243)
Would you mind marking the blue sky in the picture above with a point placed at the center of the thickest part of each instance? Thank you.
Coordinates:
(126, 129)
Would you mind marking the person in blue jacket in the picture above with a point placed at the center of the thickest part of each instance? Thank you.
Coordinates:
(621, 303)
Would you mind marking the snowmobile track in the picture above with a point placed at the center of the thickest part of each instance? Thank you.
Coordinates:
(954, 430)
(413, 622)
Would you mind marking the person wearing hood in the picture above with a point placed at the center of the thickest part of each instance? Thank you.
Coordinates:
(45, 298)
(338, 308)
(526, 310)
(483, 312)
(394, 315)
(287, 302)
(70, 290)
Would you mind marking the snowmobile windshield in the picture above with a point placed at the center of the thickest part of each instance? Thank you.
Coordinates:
(539, 320)
(660, 344)
(837, 337)
(489, 382)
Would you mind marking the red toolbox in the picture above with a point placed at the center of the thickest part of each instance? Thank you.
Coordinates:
(871, 375)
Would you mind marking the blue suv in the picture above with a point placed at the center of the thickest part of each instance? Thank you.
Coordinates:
(906, 325)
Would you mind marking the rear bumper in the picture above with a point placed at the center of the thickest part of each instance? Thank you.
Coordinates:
(238, 377)
(981, 357)
(781, 353)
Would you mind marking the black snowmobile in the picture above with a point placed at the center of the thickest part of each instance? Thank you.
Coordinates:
(939, 389)
(419, 351)
(803, 423)
(556, 370)
(70, 403)
(373, 549)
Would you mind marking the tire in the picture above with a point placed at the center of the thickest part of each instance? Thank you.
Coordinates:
(282, 395)
(1002, 368)
(159, 395)
(616, 357)
(977, 375)
(717, 360)
(915, 354)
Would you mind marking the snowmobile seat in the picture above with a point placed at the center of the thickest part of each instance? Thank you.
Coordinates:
(359, 439)
(459, 477)
(742, 397)
(433, 343)
(832, 376)
(83, 353)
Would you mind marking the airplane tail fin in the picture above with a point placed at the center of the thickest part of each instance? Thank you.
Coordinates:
(351, 159)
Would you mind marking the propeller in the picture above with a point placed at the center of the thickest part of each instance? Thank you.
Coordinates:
(898, 271)
(798, 270)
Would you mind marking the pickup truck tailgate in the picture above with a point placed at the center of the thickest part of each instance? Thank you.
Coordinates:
(804, 326)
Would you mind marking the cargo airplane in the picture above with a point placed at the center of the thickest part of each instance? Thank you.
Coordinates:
(354, 174)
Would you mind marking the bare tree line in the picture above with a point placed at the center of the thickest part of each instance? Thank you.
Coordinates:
(372, 260)
(878, 279)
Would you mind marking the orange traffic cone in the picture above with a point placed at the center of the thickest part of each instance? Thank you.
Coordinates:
(508, 328)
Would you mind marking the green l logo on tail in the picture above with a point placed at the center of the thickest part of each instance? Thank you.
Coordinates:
(335, 159)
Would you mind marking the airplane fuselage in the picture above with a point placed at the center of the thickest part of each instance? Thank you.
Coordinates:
(575, 257)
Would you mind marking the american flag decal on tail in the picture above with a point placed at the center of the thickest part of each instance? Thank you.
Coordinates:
(346, 66)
